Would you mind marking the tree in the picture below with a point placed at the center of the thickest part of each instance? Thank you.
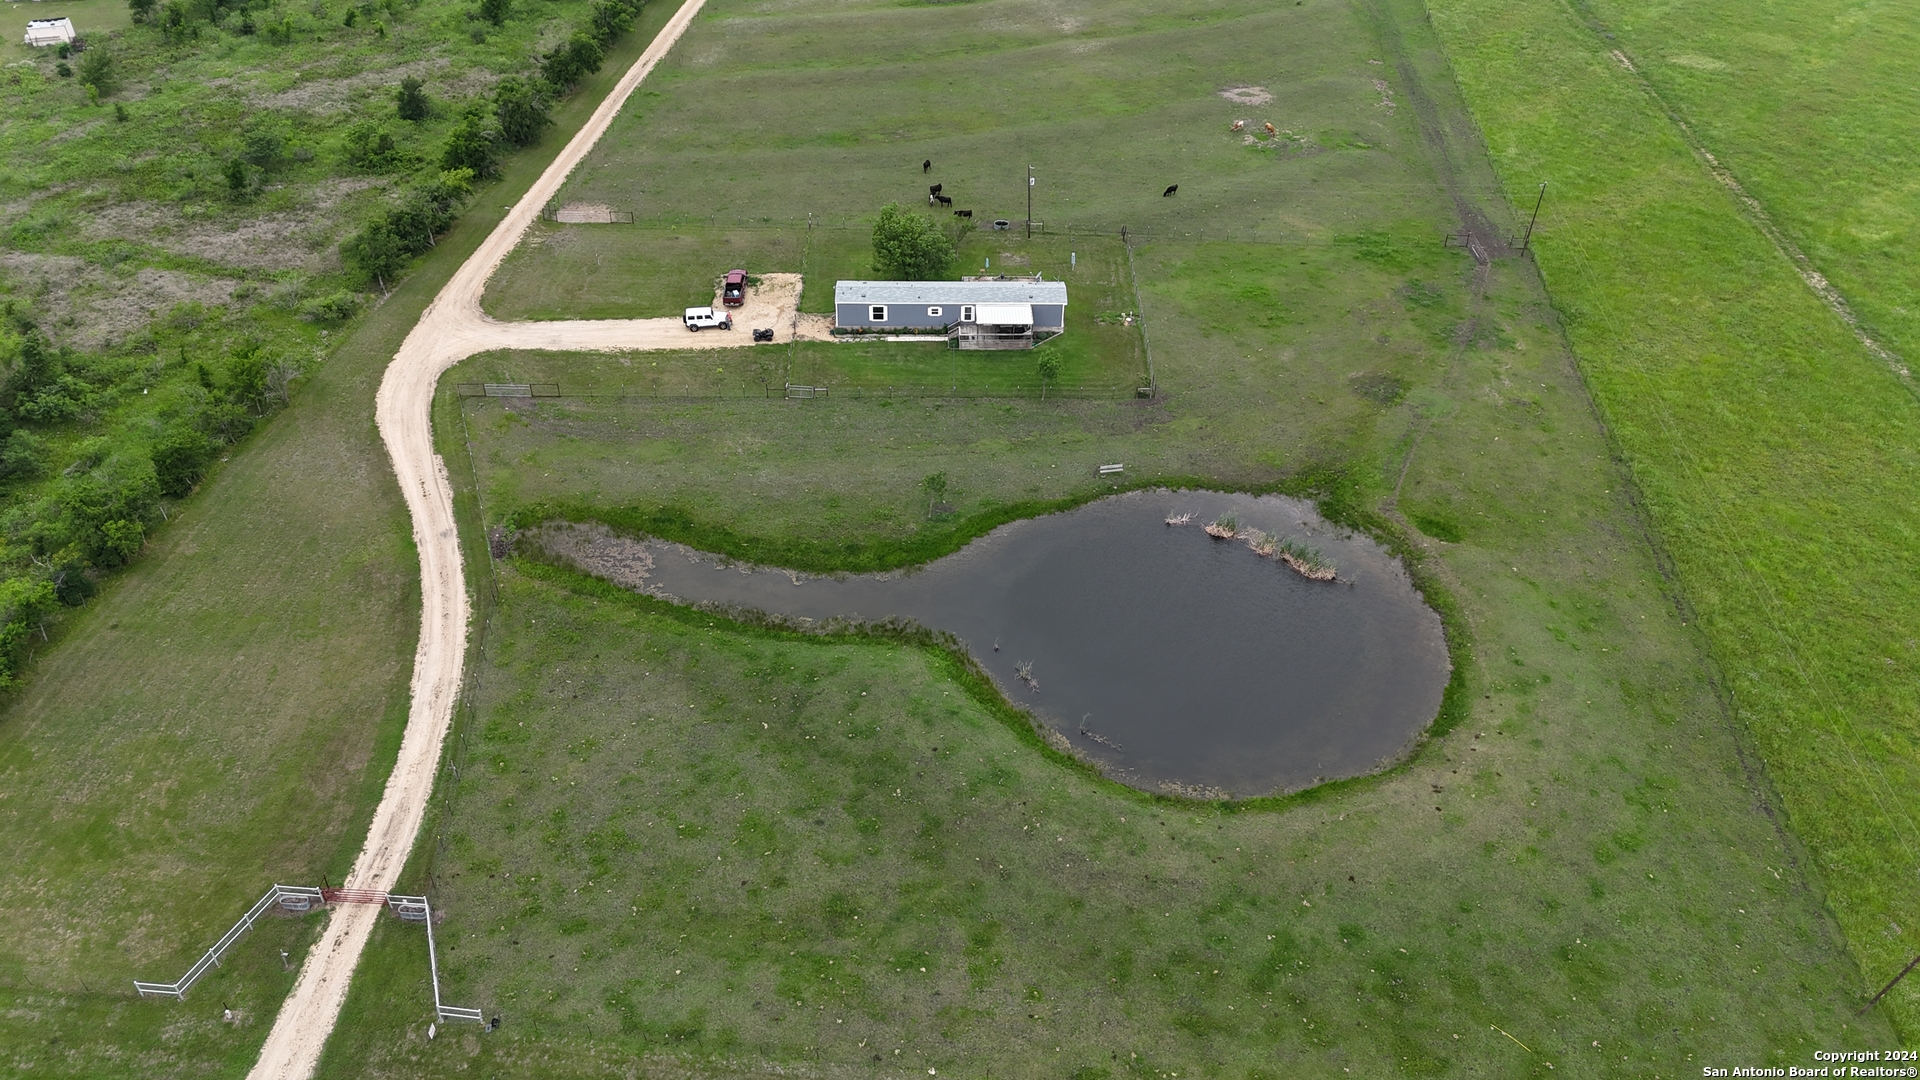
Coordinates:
(908, 247)
(567, 65)
(98, 71)
(411, 99)
(611, 18)
(521, 109)
(24, 602)
(173, 21)
(374, 254)
(470, 146)
(1048, 365)
(495, 11)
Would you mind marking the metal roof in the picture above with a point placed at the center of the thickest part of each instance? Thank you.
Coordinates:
(1005, 314)
(950, 292)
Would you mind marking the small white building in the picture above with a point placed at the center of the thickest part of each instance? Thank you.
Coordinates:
(41, 32)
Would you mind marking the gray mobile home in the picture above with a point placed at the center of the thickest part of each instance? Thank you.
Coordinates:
(975, 314)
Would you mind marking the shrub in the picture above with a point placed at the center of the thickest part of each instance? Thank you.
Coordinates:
(371, 147)
(180, 459)
(331, 308)
(410, 100)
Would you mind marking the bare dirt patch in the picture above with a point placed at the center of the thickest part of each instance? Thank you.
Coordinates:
(88, 307)
(295, 240)
(1248, 95)
(336, 95)
(594, 549)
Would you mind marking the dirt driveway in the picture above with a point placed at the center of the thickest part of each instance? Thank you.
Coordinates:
(451, 329)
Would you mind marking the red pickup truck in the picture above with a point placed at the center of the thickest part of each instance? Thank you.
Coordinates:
(734, 292)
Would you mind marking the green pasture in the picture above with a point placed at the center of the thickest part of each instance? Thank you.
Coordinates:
(683, 844)
(675, 842)
(1775, 455)
(1340, 333)
(1110, 104)
(221, 717)
(1811, 106)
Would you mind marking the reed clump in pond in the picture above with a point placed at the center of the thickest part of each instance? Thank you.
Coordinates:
(1224, 527)
(1307, 561)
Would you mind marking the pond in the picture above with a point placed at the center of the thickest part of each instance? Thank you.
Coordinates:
(1174, 660)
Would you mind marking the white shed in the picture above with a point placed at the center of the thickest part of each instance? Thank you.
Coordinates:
(50, 32)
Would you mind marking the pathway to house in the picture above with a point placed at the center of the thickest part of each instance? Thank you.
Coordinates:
(451, 329)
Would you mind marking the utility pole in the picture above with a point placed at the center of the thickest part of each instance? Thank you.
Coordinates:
(1029, 202)
(1527, 240)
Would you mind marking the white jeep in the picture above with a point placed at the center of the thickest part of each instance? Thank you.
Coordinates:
(700, 318)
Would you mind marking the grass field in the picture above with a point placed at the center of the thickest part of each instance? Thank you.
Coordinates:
(221, 717)
(1811, 106)
(1776, 455)
(1588, 860)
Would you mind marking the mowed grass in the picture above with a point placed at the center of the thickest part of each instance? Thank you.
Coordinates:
(222, 717)
(1102, 353)
(676, 843)
(835, 483)
(1811, 106)
(1776, 455)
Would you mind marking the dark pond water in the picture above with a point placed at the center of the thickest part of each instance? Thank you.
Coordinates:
(1175, 660)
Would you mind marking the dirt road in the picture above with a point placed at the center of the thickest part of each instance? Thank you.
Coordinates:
(452, 328)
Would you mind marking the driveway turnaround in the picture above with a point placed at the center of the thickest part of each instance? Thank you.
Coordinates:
(451, 329)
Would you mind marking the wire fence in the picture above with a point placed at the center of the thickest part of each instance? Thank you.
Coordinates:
(1138, 232)
(800, 392)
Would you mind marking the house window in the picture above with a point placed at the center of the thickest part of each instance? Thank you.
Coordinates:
(966, 312)
(877, 313)
(933, 313)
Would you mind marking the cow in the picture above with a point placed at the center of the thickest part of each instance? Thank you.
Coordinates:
(935, 189)
(968, 214)
(1237, 125)
(926, 166)
(1170, 190)
(944, 200)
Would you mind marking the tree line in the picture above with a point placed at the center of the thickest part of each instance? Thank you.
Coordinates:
(515, 115)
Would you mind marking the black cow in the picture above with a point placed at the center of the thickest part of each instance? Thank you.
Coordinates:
(1170, 190)
(963, 213)
(935, 189)
(926, 166)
